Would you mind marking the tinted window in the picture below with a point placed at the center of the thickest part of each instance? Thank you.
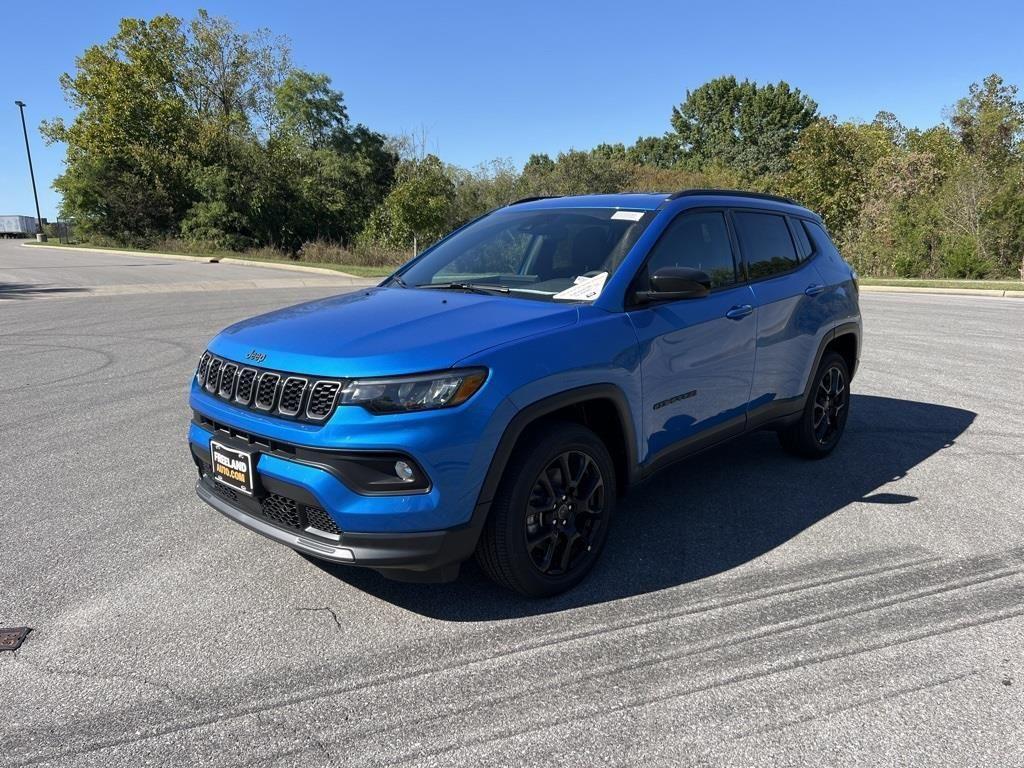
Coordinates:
(820, 238)
(700, 241)
(766, 244)
(802, 243)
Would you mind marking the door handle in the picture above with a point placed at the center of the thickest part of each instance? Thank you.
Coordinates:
(814, 289)
(740, 310)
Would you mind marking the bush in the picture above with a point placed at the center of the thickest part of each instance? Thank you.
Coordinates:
(905, 265)
(961, 260)
(363, 254)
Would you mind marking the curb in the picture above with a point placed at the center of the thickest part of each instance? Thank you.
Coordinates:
(343, 276)
(989, 292)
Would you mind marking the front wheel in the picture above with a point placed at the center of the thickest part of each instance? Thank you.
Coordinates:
(551, 513)
(823, 420)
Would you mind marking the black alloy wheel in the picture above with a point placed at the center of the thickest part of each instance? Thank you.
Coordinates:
(551, 511)
(820, 426)
(565, 513)
(830, 401)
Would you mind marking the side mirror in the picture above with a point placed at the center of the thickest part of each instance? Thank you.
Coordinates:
(674, 283)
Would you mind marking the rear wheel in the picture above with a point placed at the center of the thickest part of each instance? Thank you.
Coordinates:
(550, 517)
(821, 425)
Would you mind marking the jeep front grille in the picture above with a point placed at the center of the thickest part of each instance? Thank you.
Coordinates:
(245, 387)
(275, 392)
(227, 380)
(291, 395)
(321, 399)
(266, 392)
(213, 375)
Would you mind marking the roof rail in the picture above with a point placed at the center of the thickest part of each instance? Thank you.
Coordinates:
(531, 199)
(732, 193)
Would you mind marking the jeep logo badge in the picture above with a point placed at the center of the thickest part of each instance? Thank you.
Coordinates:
(256, 357)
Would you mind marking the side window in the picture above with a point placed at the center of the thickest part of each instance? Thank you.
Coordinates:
(803, 244)
(822, 242)
(766, 243)
(700, 241)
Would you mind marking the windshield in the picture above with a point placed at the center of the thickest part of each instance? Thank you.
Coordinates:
(563, 254)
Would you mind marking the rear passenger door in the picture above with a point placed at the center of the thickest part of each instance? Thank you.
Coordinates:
(792, 314)
(697, 355)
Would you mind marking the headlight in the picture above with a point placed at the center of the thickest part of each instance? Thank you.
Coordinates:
(414, 393)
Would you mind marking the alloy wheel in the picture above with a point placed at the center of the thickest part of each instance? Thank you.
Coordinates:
(830, 401)
(564, 512)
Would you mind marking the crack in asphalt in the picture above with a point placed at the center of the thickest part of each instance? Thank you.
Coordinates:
(337, 621)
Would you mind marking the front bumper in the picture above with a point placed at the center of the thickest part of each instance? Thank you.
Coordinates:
(421, 535)
(422, 552)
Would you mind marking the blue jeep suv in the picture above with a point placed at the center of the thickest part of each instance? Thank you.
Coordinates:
(501, 391)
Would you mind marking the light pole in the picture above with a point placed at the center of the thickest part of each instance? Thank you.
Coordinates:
(39, 218)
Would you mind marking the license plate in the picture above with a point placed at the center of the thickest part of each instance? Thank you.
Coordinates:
(231, 467)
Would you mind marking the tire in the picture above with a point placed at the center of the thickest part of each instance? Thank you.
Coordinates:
(823, 420)
(566, 524)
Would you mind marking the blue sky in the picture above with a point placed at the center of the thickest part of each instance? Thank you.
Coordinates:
(501, 80)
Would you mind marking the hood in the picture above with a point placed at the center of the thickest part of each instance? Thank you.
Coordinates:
(387, 331)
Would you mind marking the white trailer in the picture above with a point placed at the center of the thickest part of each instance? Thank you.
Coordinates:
(18, 226)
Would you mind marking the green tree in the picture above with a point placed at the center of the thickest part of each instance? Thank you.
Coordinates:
(230, 77)
(577, 173)
(208, 132)
(417, 209)
(830, 168)
(308, 107)
(339, 173)
(656, 151)
(742, 125)
(983, 200)
(129, 146)
(989, 122)
(482, 189)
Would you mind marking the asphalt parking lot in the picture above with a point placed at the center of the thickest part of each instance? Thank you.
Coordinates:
(751, 609)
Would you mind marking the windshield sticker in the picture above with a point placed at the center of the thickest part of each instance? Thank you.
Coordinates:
(628, 215)
(584, 289)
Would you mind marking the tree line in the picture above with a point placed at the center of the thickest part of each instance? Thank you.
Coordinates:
(209, 136)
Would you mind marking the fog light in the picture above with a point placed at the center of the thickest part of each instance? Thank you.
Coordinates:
(404, 471)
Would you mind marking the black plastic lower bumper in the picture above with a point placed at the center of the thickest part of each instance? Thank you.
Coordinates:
(401, 555)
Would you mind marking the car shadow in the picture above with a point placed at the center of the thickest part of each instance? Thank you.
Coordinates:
(33, 290)
(710, 513)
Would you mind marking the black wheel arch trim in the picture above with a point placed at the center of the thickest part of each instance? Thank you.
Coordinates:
(548, 405)
(843, 329)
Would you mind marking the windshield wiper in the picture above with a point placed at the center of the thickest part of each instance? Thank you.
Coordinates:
(399, 281)
(471, 287)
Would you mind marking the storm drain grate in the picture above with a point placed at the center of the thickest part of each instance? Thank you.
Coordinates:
(12, 638)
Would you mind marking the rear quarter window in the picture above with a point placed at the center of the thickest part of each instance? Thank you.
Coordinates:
(820, 239)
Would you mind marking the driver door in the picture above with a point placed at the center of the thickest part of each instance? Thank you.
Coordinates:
(697, 355)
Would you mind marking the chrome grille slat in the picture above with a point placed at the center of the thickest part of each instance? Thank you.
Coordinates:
(282, 394)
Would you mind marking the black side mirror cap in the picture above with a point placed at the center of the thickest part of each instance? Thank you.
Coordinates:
(675, 283)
